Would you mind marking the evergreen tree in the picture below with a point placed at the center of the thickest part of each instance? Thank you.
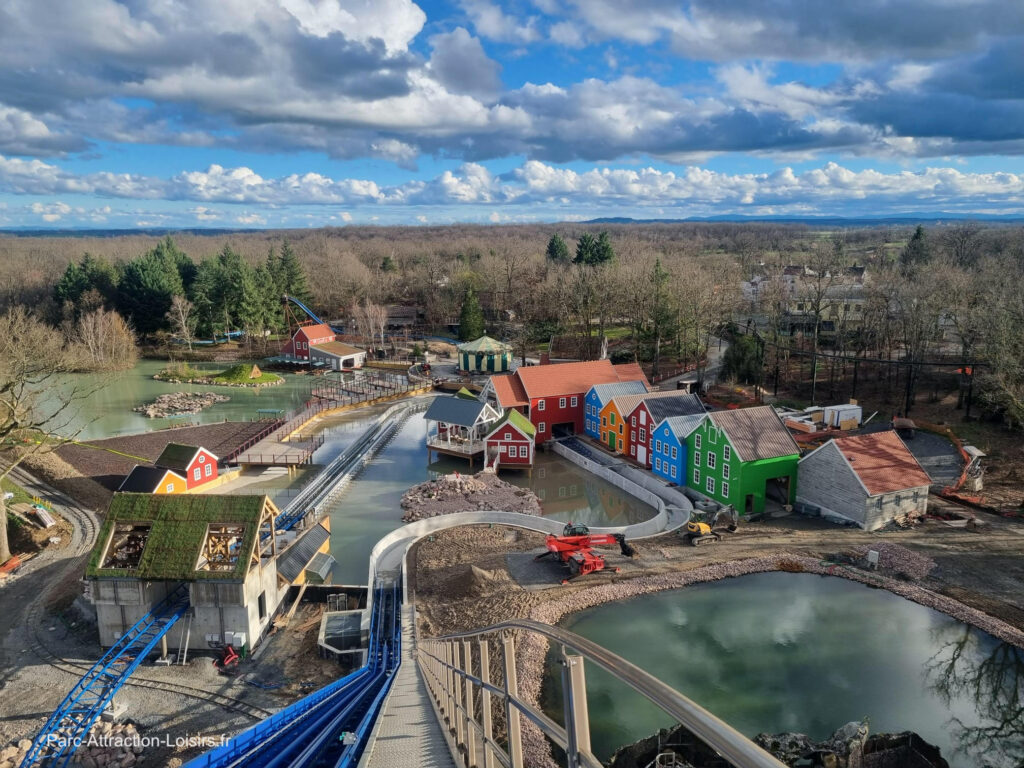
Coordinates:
(91, 274)
(388, 265)
(471, 319)
(169, 251)
(603, 251)
(557, 251)
(585, 249)
(207, 297)
(146, 287)
(72, 284)
(292, 277)
(916, 252)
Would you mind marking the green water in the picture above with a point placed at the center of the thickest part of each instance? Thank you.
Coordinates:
(107, 409)
(780, 652)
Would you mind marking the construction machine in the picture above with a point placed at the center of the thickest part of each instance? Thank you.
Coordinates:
(699, 531)
(574, 549)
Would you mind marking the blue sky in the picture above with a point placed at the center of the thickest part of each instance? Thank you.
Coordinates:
(302, 113)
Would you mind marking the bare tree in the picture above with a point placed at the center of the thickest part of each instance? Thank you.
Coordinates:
(183, 319)
(105, 341)
(961, 241)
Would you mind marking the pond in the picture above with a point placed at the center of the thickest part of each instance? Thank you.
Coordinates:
(107, 410)
(780, 652)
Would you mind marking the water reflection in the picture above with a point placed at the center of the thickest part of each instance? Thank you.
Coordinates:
(990, 674)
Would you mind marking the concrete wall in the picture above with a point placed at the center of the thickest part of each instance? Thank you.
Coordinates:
(826, 481)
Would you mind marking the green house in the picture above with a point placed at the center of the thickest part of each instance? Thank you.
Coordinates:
(485, 355)
(743, 458)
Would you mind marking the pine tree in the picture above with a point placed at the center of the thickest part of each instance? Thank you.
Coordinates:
(603, 251)
(471, 319)
(146, 287)
(388, 265)
(585, 249)
(916, 251)
(557, 251)
(292, 275)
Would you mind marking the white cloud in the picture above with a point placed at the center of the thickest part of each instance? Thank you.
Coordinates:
(396, 22)
(491, 22)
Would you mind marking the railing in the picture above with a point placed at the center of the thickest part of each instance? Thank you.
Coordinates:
(456, 675)
(258, 437)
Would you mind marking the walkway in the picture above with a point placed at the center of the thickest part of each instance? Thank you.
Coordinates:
(407, 732)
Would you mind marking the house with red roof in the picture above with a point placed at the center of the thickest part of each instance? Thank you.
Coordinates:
(869, 480)
(552, 396)
(305, 337)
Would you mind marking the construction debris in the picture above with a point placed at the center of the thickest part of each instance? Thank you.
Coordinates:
(466, 493)
(180, 403)
(106, 745)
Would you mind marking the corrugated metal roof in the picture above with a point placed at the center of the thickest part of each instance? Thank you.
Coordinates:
(606, 392)
(626, 404)
(682, 404)
(682, 426)
(321, 565)
(455, 410)
(335, 349)
(298, 556)
(756, 433)
(883, 462)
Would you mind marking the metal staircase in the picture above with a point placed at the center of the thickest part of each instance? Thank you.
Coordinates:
(69, 725)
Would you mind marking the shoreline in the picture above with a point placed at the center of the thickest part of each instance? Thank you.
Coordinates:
(532, 649)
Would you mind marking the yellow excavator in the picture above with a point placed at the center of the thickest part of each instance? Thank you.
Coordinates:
(700, 531)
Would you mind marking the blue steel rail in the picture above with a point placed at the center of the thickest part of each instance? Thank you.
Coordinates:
(305, 309)
(70, 722)
(329, 727)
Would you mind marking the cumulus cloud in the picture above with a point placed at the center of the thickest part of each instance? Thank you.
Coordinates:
(460, 64)
(491, 22)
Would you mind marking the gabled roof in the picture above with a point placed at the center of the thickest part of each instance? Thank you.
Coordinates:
(316, 330)
(146, 479)
(682, 404)
(455, 410)
(517, 420)
(756, 433)
(295, 559)
(465, 394)
(508, 390)
(631, 372)
(682, 426)
(486, 345)
(883, 462)
(178, 528)
(626, 404)
(606, 392)
(337, 348)
(178, 457)
(562, 379)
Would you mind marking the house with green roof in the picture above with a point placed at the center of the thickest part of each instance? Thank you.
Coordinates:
(510, 442)
(485, 355)
(224, 548)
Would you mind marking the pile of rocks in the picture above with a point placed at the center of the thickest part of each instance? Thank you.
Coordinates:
(900, 560)
(180, 403)
(107, 745)
(466, 493)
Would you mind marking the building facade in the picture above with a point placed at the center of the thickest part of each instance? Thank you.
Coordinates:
(152, 480)
(649, 413)
(510, 441)
(336, 356)
(669, 446)
(196, 464)
(305, 337)
(598, 396)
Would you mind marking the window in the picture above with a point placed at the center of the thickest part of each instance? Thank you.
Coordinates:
(561, 491)
(673, 471)
(540, 405)
(727, 453)
(209, 470)
(170, 488)
(657, 445)
(799, 307)
(696, 477)
(611, 418)
(696, 458)
(542, 494)
(561, 402)
(643, 435)
(709, 485)
(657, 464)
(604, 421)
(675, 452)
(197, 474)
(725, 471)
(725, 490)
(712, 435)
(504, 449)
(508, 435)
(632, 450)
(632, 436)
(263, 605)
(643, 416)
(620, 430)
(633, 421)
(620, 445)
(574, 402)
(711, 460)
(542, 427)
(696, 442)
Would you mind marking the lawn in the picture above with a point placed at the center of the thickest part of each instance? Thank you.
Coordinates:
(20, 494)
(239, 374)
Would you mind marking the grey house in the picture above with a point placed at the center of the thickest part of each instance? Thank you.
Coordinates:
(870, 480)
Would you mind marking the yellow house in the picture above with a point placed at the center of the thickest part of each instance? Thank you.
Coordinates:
(152, 480)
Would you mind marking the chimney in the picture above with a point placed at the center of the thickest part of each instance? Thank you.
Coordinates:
(545, 358)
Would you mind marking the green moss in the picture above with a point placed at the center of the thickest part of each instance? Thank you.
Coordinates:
(20, 494)
(239, 374)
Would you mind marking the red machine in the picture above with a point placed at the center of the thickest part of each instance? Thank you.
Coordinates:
(573, 549)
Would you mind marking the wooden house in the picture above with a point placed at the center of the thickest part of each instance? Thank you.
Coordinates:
(459, 425)
(743, 458)
(649, 413)
(196, 464)
(152, 480)
(599, 395)
(869, 479)
(510, 441)
(615, 420)
(305, 337)
(668, 446)
(336, 356)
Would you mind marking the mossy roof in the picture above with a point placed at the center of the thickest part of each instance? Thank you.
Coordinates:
(177, 456)
(516, 419)
(178, 529)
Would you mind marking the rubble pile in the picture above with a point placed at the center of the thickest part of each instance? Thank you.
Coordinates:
(106, 745)
(897, 559)
(466, 493)
(180, 403)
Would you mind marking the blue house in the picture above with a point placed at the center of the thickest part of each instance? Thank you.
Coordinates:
(668, 446)
(599, 396)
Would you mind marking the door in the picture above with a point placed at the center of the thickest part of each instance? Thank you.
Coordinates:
(641, 454)
(611, 439)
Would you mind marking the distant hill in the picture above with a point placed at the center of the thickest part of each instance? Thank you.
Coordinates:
(821, 221)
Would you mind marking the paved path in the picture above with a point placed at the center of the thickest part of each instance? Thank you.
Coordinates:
(407, 732)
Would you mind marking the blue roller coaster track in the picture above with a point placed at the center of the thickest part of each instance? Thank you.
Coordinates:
(315, 318)
(328, 728)
(68, 726)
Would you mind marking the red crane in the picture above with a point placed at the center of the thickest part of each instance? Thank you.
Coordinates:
(574, 549)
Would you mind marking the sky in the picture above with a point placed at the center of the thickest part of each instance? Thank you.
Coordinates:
(306, 113)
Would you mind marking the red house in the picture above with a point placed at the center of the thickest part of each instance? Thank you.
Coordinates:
(510, 441)
(308, 336)
(553, 396)
(197, 465)
(649, 413)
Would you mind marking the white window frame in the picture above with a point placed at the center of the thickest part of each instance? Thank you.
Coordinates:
(561, 402)
(675, 453)
(574, 402)
(657, 464)
(170, 488)
(725, 490)
(542, 427)
(209, 470)
(712, 460)
(709, 484)
(673, 471)
(657, 445)
(727, 453)
(604, 421)
(712, 435)
(696, 458)
(696, 442)
(632, 436)
(725, 471)
(643, 435)
(633, 421)
(197, 474)
(508, 435)
(696, 477)
(540, 404)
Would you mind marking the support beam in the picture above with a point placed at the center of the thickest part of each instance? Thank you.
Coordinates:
(515, 733)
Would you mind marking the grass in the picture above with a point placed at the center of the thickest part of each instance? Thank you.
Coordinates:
(239, 374)
(20, 494)
(182, 371)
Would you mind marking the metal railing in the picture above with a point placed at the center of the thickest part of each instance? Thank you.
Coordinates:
(455, 676)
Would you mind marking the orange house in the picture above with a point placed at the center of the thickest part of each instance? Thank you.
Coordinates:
(615, 426)
(152, 480)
